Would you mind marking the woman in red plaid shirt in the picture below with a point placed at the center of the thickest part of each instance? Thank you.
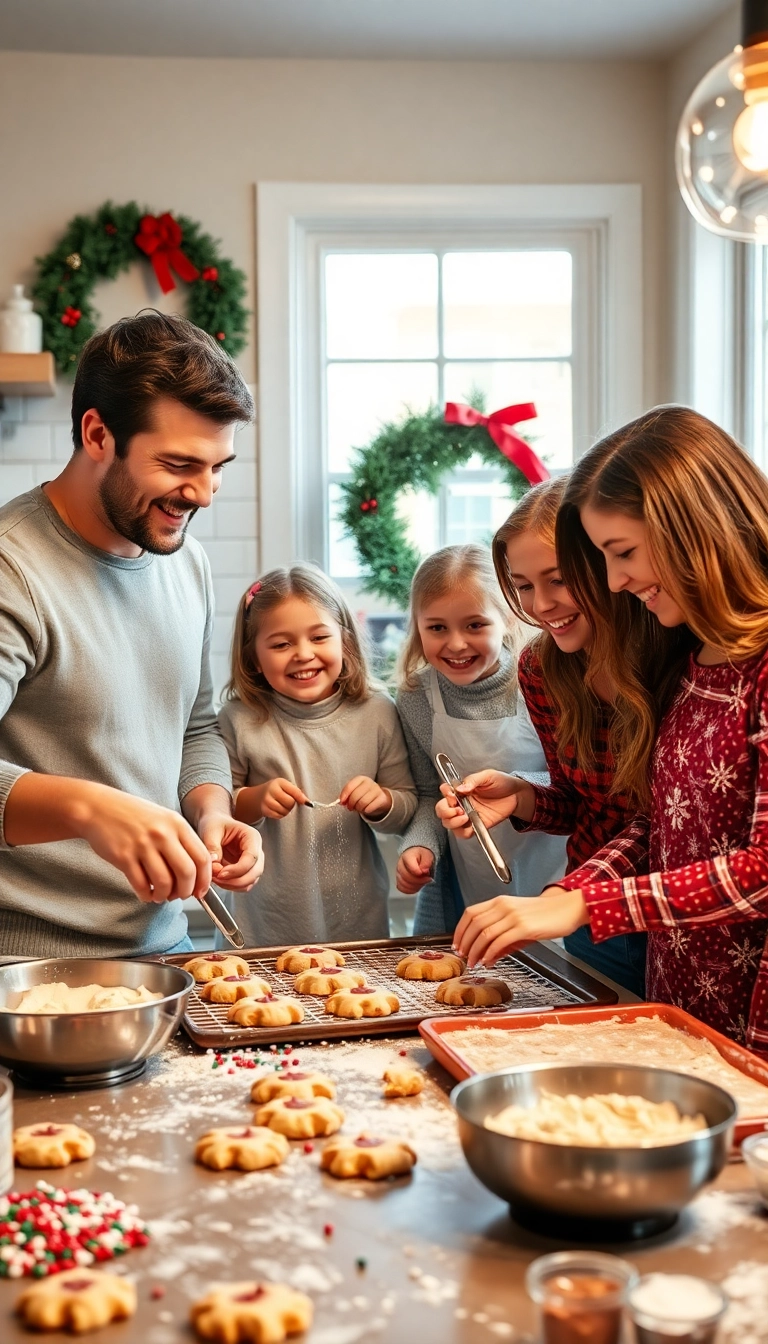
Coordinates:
(671, 510)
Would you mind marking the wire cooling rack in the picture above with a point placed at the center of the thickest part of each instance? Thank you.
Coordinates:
(539, 980)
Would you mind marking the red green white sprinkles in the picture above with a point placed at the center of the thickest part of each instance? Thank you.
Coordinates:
(46, 1230)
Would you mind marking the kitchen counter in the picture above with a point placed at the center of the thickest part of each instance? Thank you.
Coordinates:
(444, 1262)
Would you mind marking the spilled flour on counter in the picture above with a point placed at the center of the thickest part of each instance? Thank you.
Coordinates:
(746, 1320)
(717, 1212)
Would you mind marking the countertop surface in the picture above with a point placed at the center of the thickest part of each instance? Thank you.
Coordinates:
(444, 1261)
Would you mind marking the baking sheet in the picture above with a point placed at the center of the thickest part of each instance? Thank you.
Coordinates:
(539, 979)
(737, 1055)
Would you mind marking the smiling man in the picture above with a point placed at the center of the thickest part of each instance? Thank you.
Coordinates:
(114, 782)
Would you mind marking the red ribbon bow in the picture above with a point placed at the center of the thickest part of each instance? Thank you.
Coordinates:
(160, 237)
(498, 425)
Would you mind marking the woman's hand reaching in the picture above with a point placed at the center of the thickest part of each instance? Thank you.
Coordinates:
(495, 797)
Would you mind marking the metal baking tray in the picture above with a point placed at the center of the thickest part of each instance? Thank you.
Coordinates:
(540, 979)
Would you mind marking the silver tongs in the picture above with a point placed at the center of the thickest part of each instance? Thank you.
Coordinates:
(225, 923)
(451, 776)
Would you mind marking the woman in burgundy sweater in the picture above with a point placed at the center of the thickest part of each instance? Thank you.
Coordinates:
(671, 510)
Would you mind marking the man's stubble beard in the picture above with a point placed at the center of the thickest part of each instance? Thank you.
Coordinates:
(119, 500)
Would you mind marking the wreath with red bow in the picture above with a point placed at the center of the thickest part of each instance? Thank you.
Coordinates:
(415, 454)
(103, 245)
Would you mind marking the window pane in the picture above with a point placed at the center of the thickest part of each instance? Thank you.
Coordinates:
(474, 511)
(381, 305)
(342, 556)
(363, 397)
(507, 304)
(502, 384)
(420, 512)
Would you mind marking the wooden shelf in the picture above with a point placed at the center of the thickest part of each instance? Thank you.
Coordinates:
(27, 375)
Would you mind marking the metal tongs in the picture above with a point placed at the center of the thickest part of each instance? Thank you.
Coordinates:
(225, 923)
(451, 776)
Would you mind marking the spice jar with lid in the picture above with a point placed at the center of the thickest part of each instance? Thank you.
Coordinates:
(21, 329)
(6, 1135)
(581, 1295)
(676, 1309)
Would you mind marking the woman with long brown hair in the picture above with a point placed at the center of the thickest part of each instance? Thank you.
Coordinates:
(672, 511)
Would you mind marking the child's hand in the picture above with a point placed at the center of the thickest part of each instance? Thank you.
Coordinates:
(365, 796)
(414, 869)
(488, 930)
(495, 798)
(275, 799)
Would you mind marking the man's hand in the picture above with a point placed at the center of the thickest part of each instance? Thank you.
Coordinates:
(275, 800)
(235, 849)
(495, 798)
(490, 929)
(414, 869)
(155, 848)
(365, 796)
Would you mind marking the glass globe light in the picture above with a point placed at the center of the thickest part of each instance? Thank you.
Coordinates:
(721, 155)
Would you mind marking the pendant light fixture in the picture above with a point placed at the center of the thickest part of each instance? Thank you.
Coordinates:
(721, 154)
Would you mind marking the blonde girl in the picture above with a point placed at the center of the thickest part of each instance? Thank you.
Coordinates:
(304, 725)
(672, 511)
(459, 694)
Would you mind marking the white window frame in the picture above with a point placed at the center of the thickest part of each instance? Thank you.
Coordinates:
(296, 222)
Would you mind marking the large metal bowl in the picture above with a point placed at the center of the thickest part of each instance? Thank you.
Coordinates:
(106, 1046)
(558, 1188)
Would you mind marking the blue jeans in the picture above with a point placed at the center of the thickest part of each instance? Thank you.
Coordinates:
(622, 959)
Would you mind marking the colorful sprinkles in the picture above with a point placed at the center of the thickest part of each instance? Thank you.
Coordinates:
(46, 1230)
(251, 1059)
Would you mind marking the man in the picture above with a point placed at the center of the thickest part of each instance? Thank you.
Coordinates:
(107, 725)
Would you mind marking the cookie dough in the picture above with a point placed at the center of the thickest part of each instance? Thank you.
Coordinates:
(77, 1300)
(60, 998)
(301, 1117)
(215, 964)
(248, 1148)
(303, 958)
(369, 1157)
(363, 1001)
(270, 1010)
(230, 988)
(292, 1083)
(430, 966)
(474, 991)
(611, 1120)
(400, 1080)
(51, 1145)
(251, 1313)
(326, 979)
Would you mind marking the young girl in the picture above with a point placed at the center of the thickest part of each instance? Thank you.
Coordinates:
(459, 695)
(677, 514)
(303, 724)
(569, 684)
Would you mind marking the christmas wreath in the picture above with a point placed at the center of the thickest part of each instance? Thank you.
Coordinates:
(101, 246)
(415, 454)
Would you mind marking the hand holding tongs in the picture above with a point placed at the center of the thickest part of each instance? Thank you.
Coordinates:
(451, 776)
(225, 923)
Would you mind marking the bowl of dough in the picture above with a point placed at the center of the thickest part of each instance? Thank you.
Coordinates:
(571, 1146)
(82, 1021)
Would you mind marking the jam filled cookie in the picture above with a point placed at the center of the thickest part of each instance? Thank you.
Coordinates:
(372, 1158)
(474, 991)
(326, 980)
(248, 1149)
(77, 1300)
(230, 988)
(292, 1084)
(430, 966)
(51, 1145)
(304, 958)
(271, 1010)
(301, 1117)
(402, 1081)
(215, 964)
(251, 1313)
(363, 1001)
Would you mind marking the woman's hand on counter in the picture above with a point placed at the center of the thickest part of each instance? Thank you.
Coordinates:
(490, 929)
(415, 868)
(495, 797)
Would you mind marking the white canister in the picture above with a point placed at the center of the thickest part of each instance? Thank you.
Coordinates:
(21, 329)
(6, 1134)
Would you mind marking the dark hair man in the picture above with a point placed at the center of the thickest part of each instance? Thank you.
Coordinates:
(108, 739)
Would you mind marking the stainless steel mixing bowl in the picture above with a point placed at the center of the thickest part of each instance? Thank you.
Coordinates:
(105, 1046)
(552, 1184)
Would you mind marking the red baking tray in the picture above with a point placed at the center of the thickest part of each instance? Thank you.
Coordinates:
(737, 1055)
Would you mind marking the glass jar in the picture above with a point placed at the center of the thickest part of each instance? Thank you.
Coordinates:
(581, 1295)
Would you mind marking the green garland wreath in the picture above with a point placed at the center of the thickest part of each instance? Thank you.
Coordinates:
(415, 453)
(103, 245)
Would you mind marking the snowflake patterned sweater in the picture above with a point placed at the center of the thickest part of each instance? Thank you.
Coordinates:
(695, 874)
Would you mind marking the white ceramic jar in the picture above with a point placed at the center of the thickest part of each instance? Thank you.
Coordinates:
(6, 1135)
(21, 329)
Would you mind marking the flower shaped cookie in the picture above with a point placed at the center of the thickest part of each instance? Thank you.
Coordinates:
(270, 1010)
(215, 964)
(51, 1145)
(300, 1117)
(362, 1001)
(77, 1300)
(248, 1148)
(365, 1156)
(251, 1313)
(474, 991)
(230, 988)
(292, 1083)
(326, 979)
(302, 958)
(430, 966)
